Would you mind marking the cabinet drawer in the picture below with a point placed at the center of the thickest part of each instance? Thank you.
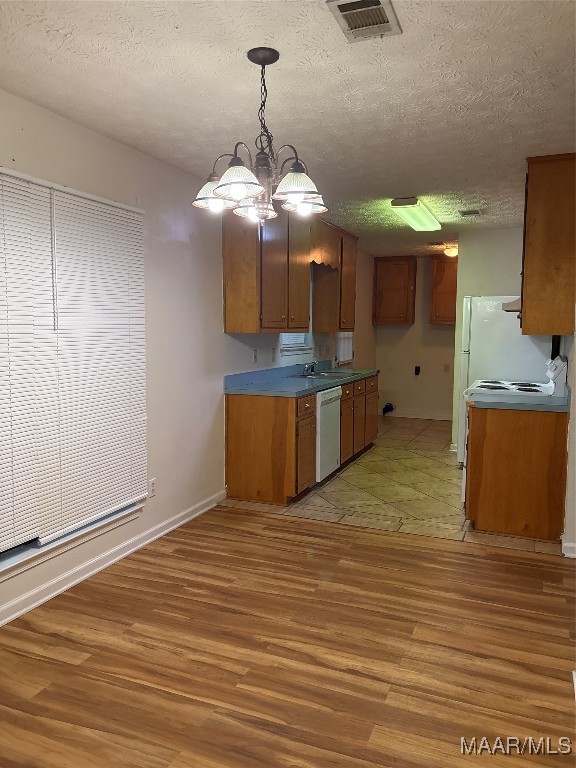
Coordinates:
(347, 391)
(372, 384)
(306, 405)
(360, 387)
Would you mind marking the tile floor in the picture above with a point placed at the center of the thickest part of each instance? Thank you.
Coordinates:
(409, 482)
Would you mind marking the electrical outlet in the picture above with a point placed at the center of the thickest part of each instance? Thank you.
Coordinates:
(255, 358)
(152, 487)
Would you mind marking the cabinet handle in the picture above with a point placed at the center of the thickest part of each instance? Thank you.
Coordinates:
(283, 317)
(306, 405)
(292, 317)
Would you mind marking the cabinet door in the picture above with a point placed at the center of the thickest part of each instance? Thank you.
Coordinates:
(274, 273)
(325, 299)
(516, 471)
(348, 284)
(549, 262)
(326, 244)
(346, 429)
(394, 290)
(359, 422)
(444, 272)
(306, 453)
(241, 265)
(371, 428)
(298, 274)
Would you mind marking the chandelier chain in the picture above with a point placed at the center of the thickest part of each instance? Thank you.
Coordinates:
(265, 140)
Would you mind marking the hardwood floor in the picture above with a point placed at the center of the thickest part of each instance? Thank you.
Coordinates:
(247, 639)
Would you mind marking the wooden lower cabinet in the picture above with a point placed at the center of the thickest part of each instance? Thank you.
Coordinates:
(359, 422)
(270, 449)
(371, 424)
(305, 453)
(516, 471)
(346, 429)
(271, 441)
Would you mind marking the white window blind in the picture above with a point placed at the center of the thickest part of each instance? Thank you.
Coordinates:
(344, 347)
(295, 343)
(72, 361)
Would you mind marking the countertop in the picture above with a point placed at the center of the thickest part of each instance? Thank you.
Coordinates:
(288, 381)
(520, 402)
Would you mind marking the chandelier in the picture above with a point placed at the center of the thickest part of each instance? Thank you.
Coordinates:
(250, 190)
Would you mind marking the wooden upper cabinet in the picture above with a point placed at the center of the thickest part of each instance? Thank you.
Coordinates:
(348, 284)
(325, 244)
(241, 267)
(274, 304)
(325, 299)
(549, 272)
(298, 274)
(333, 254)
(443, 278)
(267, 275)
(394, 290)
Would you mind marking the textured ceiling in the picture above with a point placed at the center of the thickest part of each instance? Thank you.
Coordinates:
(447, 111)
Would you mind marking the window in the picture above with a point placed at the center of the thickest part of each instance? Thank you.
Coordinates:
(72, 361)
(344, 347)
(295, 343)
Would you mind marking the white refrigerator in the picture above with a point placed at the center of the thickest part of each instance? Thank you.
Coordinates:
(493, 347)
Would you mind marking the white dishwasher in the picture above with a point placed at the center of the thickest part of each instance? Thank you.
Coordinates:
(327, 432)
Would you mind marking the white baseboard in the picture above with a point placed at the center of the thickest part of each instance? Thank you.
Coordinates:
(568, 548)
(23, 603)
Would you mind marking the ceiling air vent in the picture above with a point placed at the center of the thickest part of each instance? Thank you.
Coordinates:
(363, 19)
(471, 212)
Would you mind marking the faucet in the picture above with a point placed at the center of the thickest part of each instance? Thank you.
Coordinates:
(309, 368)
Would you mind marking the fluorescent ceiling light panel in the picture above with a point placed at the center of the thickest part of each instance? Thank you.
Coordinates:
(415, 214)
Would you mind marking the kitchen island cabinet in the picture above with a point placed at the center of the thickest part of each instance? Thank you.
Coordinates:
(516, 471)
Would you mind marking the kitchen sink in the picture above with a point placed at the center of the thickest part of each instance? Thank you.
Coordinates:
(326, 375)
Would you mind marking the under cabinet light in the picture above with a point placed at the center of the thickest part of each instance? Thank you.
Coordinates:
(415, 214)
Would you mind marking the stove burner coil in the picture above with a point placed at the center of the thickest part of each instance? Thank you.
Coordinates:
(491, 386)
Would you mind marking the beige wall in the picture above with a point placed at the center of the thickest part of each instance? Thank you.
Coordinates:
(489, 264)
(364, 336)
(187, 352)
(400, 348)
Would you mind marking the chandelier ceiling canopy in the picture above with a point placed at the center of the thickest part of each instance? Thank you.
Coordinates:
(249, 191)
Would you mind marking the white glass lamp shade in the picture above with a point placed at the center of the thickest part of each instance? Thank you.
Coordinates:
(306, 207)
(238, 183)
(295, 187)
(451, 251)
(207, 199)
(255, 210)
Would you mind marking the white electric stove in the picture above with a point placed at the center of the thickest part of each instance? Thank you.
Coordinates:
(516, 391)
